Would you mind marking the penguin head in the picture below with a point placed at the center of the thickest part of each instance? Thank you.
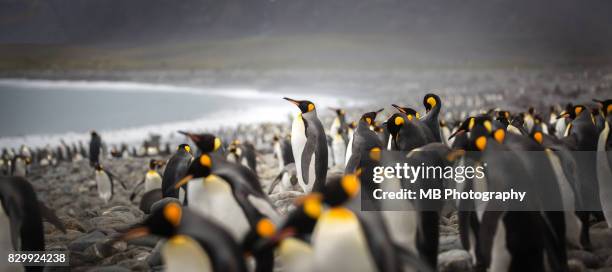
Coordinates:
(184, 147)
(304, 105)
(480, 130)
(605, 105)
(409, 112)
(370, 117)
(338, 189)
(468, 124)
(205, 142)
(275, 138)
(395, 123)
(339, 112)
(154, 164)
(430, 101)
(199, 168)
(162, 222)
(98, 167)
(573, 112)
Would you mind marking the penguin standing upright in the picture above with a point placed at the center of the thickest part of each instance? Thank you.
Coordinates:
(21, 227)
(338, 145)
(176, 168)
(282, 151)
(364, 139)
(195, 243)
(95, 146)
(152, 180)
(604, 160)
(432, 104)
(309, 144)
(104, 181)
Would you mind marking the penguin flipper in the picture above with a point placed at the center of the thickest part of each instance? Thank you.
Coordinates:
(407, 257)
(276, 180)
(136, 189)
(309, 149)
(114, 177)
(49, 215)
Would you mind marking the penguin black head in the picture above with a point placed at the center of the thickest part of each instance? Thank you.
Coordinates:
(275, 138)
(302, 220)
(154, 164)
(352, 125)
(304, 105)
(395, 123)
(184, 147)
(338, 189)
(162, 222)
(98, 167)
(199, 168)
(606, 106)
(573, 112)
(468, 124)
(205, 142)
(409, 112)
(339, 112)
(430, 101)
(369, 117)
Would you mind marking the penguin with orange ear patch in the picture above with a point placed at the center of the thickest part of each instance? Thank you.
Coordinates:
(432, 104)
(309, 144)
(364, 139)
(194, 243)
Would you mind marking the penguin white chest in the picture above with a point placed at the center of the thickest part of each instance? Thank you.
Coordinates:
(298, 141)
(213, 198)
(184, 254)
(105, 189)
(279, 155)
(339, 149)
(152, 181)
(339, 243)
(20, 168)
(6, 245)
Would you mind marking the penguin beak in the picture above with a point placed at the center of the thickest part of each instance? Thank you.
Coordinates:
(295, 102)
(379, 111)
(134, 233)
(563, 115)
(183, 181)
(399, 108)
(455, 133)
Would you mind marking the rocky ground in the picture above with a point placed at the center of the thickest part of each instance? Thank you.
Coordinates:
(70, 190)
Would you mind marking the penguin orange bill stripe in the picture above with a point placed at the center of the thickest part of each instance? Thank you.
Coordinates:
(183, 181)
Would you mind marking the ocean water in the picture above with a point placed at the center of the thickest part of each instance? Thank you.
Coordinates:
(40, 112)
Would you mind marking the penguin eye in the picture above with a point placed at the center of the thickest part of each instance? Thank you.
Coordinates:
(350, 183)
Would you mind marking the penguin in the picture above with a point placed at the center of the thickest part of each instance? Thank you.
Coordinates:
(243, 153)
(604, 159)
(338, 146)
(309, 144)
(152, 179)
(432, 104)
(205, 142)
(20, 166)
(21, 214)
(104, 182)
(95, 146)
(194, 243)
(176, 168)
(339, 124)
(282, 151)
(228, 192)
(445, 133)
(287, 178)
(364, 139)
(407, 132)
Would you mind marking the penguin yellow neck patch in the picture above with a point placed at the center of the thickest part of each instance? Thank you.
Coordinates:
(205, 160)
(499, 135)
(350, 184)
(312, 207)
(172, 213)
(488, 126)
(375, 154)
(340, 213)
(217, 144)
(538, 137)
(481, 143)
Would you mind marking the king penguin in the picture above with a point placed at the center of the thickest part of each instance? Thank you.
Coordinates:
(309, 144)
(432, 104)
(604, 160)
(176, 168)
(104, 181)
(195, 243)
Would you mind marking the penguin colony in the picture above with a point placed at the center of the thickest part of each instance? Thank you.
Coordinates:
(210, 206)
